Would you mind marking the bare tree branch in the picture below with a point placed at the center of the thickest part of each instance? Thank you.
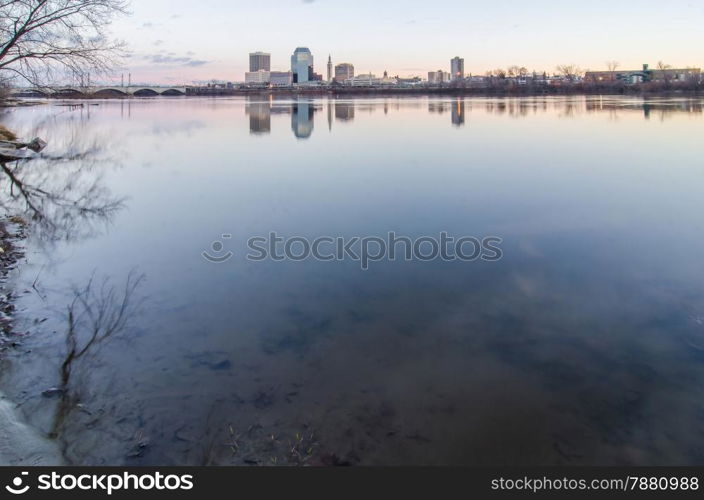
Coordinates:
(98, 312)
(570, 71)
(42, 40)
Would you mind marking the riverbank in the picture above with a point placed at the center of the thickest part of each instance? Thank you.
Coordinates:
(12, 231)
(20, 444)
(7, 135)
(17, 103)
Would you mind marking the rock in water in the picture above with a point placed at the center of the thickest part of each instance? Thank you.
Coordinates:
(16, 150)
(37, 145)
(53, 392)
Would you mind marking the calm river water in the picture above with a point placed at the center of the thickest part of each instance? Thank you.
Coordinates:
(584, 344)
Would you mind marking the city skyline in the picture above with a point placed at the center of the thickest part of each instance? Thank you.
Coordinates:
(177, 42)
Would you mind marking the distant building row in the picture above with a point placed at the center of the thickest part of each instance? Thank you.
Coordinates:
(301, 70)
(302, 73)
(645, 75)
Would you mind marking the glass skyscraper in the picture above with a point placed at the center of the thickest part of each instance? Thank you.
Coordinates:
(301, 65)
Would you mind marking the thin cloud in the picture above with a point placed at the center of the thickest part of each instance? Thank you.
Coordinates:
(171, 59)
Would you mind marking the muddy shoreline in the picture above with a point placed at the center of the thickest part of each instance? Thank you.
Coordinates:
(12, 232)
(20, 444)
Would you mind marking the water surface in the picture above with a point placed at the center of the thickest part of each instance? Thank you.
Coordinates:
(583, 345)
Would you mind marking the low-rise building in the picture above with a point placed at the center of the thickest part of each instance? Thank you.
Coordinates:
(645, 75)
(412, 81)
(281, 79)
(257, 78)
(367, 80)
(439, 77)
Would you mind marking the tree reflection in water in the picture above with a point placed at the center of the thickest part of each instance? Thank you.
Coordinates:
(98, 312)
(61, 197)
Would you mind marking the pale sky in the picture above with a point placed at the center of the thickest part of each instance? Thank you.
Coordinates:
(179, 41)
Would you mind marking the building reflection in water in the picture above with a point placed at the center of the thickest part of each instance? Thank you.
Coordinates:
(260, 110)
(458, 113)
(302, 112)
(438, 106)
(344, 111)
(259, 117)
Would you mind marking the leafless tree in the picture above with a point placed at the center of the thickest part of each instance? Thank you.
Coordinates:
(666, 75)
(42, 40)
(570, 71)
(613, 66)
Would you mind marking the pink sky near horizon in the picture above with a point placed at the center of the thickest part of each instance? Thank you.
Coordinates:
(180, 42)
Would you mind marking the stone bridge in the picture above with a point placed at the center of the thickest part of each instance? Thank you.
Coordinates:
(116, 91)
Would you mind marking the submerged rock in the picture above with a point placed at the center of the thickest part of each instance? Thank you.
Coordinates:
(17, 150)
(53, 392)
(37, 145)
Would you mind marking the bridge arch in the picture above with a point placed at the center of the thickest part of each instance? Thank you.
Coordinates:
(173, 92)
(145, 93)
(110, 93)
(68, 92)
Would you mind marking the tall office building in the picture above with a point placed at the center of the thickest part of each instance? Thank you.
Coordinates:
(457, 71)
(343, 72)
(302, 65)
(259, 61)
(329, 69)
